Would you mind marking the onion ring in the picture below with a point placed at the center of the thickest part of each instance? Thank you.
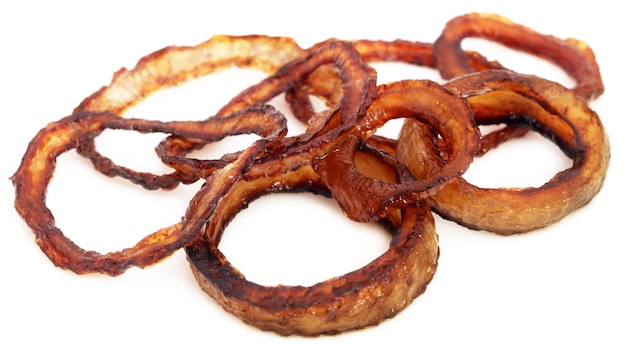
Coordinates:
(35, 172)
(501, 96)
(172, 66)
(355, 300)
(369, 199)
(392, 182)
(573, 56)
(325, 83)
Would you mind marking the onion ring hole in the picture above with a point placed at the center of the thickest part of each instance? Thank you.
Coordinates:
(196, 98)
(528, 161)
(108, 219)
(318, 233)
(519, 61)
(199, 98)
(393, 71)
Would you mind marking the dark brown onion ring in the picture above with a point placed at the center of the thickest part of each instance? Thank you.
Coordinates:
(355, 300)
(545, 106)
(421, 54)
(575, 57)
(359, 87)
(172, 66)
(369, 199)
(37, 167)
(324, 82)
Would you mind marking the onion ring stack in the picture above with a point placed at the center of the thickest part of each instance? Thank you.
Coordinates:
(391, 181)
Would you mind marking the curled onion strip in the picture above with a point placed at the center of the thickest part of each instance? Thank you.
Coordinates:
(37, 167)
(368, 199)
(172, 66)
(575, 57)
(325, 83)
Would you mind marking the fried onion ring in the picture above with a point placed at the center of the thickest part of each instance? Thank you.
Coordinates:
(325, 83)
(37, 167)
(172, 66)
(575, 57)
(501, 96)
(369, 199)
(393, 182)
(355, 300)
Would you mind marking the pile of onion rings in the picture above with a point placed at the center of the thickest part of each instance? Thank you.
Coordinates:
(396, 182)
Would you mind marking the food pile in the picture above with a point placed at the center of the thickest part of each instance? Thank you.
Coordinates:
(397, 182)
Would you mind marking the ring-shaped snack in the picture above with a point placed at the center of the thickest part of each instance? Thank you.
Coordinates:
(170, 67)
(364, 198)
(38, 164)
(575, 57)
(501, 96)
(325, 82)
(358, 299)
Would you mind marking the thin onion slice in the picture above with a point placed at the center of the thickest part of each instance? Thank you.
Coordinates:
(169, 67)
(575, 57)
(37, 167)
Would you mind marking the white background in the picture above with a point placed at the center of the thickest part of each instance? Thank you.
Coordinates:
(553, 292)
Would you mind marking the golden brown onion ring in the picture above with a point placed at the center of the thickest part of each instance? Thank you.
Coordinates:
(37, 167)
(575, 57)
(369, 199)
(506, 97)
(355, 300)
